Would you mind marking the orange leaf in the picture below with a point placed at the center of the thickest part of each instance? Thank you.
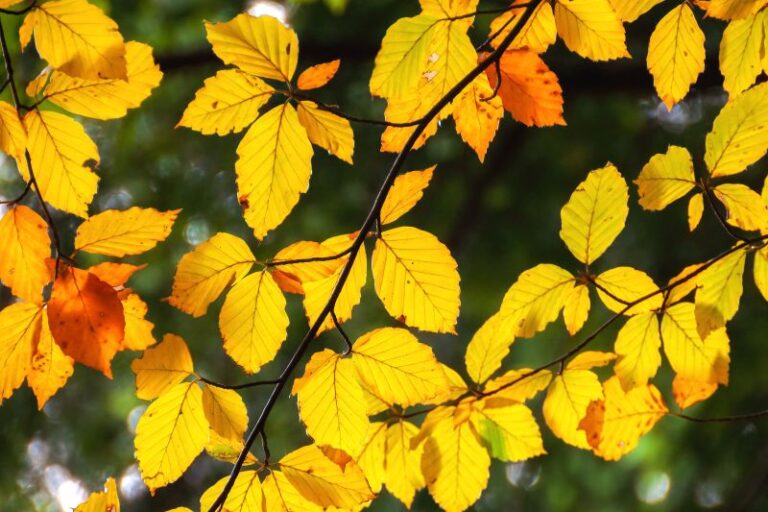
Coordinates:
(115, 274)
(318, 75)
(86, 318)
(529, 90)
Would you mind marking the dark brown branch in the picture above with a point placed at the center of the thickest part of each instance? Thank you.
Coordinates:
(21, 196)
(378, 202)
(343, 333)
(355, 119)
(721, 419)
(606, 291)
(277, 263)
(709, 196)
(238, 386)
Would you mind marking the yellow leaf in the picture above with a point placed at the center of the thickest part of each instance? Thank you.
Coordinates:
(740, 53)
(536, 299)
(695, 211)
(595, 214)
(225, 411)
(78, 39)
(676, 54)
(638, 347)
(13, 137)
(406, 191)
(526, 385)
(719, 292)
(281, 496)
(744, 208)
(50, 368)
(666, 177)
(162, 367)
(760, 272)
(409, 109)
(105, 98)
(63, 157)
(450, 9)
(227, 450)
(488, 348)
(273, 168)
(590, 359)
(170, 434)
(318, 75)
(630, 10)
(321, 481)
(739, 135)
(106, 501)
(227, 102)
(138, 330)
(684, 283)
(245, 495)
(538, 34)
(318, 292)
(510, 431)
(689, 392)
(402, 57)
(20, 327)
(327, 130)
(397, 368)
(733, 9)
(416, 278)
(115, 274)
(576, 309)
(261, 46)
(615, 425)
(566, 403)
(203, 274)
(122, 233)
(621, 286)
(332, 406)
(253, 321)
(403, 463)
(477, 113)
(689, 356)
(24, 247)
(290, 276)
(455, 465)
(371, 458)
(591, 29)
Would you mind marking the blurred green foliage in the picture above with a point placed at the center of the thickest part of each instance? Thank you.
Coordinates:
(498, 219)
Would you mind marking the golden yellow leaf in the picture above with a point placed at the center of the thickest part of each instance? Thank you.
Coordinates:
(50, 368)
(162, 367)
(638, 347)
(488, 348)
(253, 321)
(261, 46)
(138, 330)
(450, 8)
(332, 406)
(281, 496)
(290, 276)
(455, 464)
(115, 274)
(684, 283)
(24, 247)
(456, 386)
(591, 29)
(510, 431)
(371, 458)
(20, 327)
(665, 178)
(108, 98)
(744, 208)
(690, 356)
(526, 385)
(719, 292)
(397, 368)
(13, 137)
(225, 411)
(245, 495)
(739, 135)
(741, 53)
(615, 425)
(566, 403)
(590, 359)
(695, 211)
(318, 75)
(536, 298)
(63, 158)
(227, 450)
(630, 10)
(122, 233)
(203, 274)
(595, 214)
(760, 272)
(321, 481)
(576, 309)
(477, 113)
(406, 191)
(318, 292)
(227, 102)
(676, 54)
(620, 286)
(273, 168)
(416, 279)
(409, 109)
(733, 9)
(403, 463)
(170, 434)
(327, 130)
(77, 38)
(538, 34)
(689, 392)
(106, 501)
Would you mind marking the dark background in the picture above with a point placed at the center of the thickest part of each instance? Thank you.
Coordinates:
(498, 219)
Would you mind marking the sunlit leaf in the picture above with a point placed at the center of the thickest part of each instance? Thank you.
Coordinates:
(488, 348)
(591, 29)
(225, 411)
(121, 233)
(576, 309)
(665, 178)
(162, 367)
(741, 53)
(50, 368)
(245, 495)
(403, 476)
(638, 347)
(20, 327)
(24, 247)
(327, 130)
(621, 286)
(510, 431)
(719, 292)
(318, 75)
(406, 191)
(744, 208)
(477, 113)
(105, 501)
(537, 34)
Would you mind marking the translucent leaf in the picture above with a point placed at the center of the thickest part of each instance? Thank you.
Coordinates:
(689, 392)
(122, 233)
(621, 286)
(638, 347)
(371, 458)
(591, 29)
(629, 11)
(488, 348)
(105, 501)
(20, 326)
(290, 276)
(13, 138)
(245, 495)
(327, 130)
(719, 292)
(406, 191)
(733, 9)
(576, 309)
(138, 330)
(744, 208)
(666, 177)
(477, 113)
(403, 475)
(760, 272)
(695, 211)
(281, 496)
(50, 368)
(511, 432)
(24, 247)
(318, 75)
(225, 411)
(538, 34)
(526, 384)
(162, 367)
(740, 53)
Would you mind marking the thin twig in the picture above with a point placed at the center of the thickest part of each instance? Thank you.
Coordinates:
(721, 419)
(277, 263)
(238, 386)
(333, 109)
(265, 447)
(20, 196)
(341, 331)
(591, 279)
(709, 196)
